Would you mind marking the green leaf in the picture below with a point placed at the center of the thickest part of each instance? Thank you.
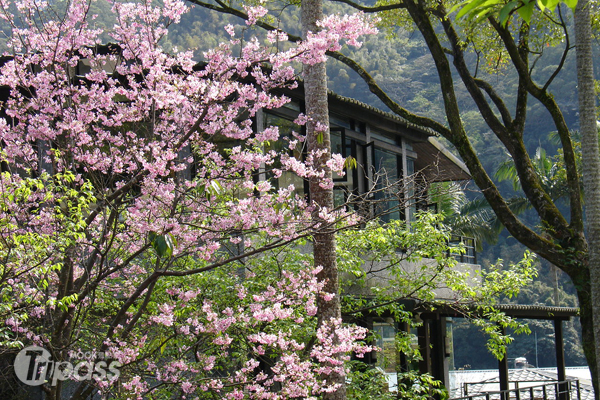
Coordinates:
(482, 13)
(553, 3)
(350, 162)
(506, 10)
(526, 11)
(470, 6)
(457, 6)
(571, 4)
(162, 244)
(214, 188)
(320, 138)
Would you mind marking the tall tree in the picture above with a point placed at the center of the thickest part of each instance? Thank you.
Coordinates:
(590, 155)
(321, 188)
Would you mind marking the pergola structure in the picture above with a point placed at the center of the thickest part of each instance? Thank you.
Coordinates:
(434, 343)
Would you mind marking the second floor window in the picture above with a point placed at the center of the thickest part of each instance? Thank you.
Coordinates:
(379, 164)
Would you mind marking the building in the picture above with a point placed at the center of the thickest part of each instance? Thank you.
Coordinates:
(387, 150)
(386, 145)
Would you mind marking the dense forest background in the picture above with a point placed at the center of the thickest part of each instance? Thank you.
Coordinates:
(399, 60)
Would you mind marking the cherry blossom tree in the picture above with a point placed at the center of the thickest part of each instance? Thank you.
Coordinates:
(134, 196)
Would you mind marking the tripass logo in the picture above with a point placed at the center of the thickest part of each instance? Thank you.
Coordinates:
(34, 366)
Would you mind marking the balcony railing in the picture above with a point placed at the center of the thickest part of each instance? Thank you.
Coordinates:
(566, 390)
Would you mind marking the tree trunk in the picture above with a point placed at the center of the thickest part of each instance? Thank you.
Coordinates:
(317, 110)
(584, 297)
(591, 167)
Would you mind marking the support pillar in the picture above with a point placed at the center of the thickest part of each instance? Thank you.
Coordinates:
(503, 371)
(439, 361)
(404, 365)
(424, 333)
(560, 360)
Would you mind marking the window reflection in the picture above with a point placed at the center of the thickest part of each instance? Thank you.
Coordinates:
(378, 166)
(387, 167)
(388, 358)
(345, 184)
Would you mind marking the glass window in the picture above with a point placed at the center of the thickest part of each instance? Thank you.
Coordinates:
(336, 142)
(358, 126)
(410, 189)
(386, 138)
(388, 357)
(468, 245)
(340, 196)
(470, 254)
(293, 105)
(347, 183)
(387, 166)
(339, 122)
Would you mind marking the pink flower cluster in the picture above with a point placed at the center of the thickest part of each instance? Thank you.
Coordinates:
(132, 169)
(275, 324)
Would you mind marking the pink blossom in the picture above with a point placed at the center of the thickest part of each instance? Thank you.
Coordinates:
(187, 387)
(111, 163)
(254, 12)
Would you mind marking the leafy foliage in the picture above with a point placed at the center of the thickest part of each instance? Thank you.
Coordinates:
(478, 10)
(381, 277)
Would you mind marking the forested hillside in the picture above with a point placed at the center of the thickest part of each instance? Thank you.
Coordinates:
(400, 62)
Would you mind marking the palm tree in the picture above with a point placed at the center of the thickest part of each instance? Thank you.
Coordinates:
(475, 218)
(472, 218)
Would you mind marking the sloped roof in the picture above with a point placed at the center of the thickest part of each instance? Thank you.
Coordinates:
(438, 163)
(348, 101)
(434, 159)
(513, 310)
(538, 311)
(528, 375)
